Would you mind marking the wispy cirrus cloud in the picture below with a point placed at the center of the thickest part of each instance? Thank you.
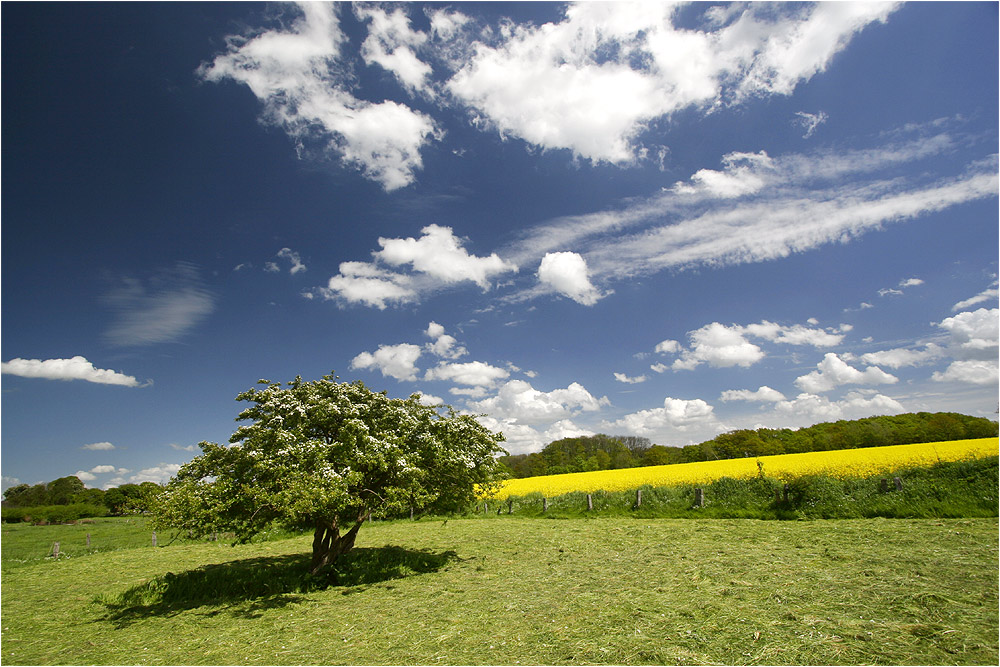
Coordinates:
(159, 310)
(760, 207)
(74, 368)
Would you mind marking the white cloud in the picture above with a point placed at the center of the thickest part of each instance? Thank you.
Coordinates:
(911, 282)
(676, 415)
(719, 346)
(795, 334)
(437, 258)
(833, 372)
(430, 400)
(807, 409)
(792, 203)
(99, 447)
(667, 347)
(103, 469)
(621, 377)
(172, 303)
(743, 173)
(974, 334)
(84, 476)
(360, 282)
(297, 74)
(988, 294)
(293, 257)
(591, 82)
(763, 395)
(518, 401)
(396, 361)
(74, 368)
(160, 474)
(901, 357)
(392, 44)
(810, 121)
(184, 448)
(438, 253)
(443, 345)
(473, 373)
(973, 371)
(566, 273)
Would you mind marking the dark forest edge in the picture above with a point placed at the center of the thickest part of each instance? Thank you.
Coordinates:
(604, 452)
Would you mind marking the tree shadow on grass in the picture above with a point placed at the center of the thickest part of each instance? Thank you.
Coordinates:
(266, 583)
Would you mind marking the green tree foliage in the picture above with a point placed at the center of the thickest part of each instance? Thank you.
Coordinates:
(327, 455)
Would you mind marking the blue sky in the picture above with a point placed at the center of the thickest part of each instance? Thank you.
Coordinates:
(656, 220)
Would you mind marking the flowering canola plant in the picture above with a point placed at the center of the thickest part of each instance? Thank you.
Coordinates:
(863, 462)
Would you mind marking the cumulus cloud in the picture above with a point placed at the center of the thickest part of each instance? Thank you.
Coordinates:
(521, 403)
(99, 447)
(902, 357)
(299, 75)
(834, 372)
(719, 346)
(973, 334)
(621, 377)
(591, 82)
(159, 474)
(159, 310)
(396, 361)
(473, 373)
(724, 346)
(364, 283)
(439, 254)
(435, 259)
(442, 344)
(763, 395)
(74, 368)
(676, 415)
(393, 44)
(973, 371)
(807, 409)
(566, 273)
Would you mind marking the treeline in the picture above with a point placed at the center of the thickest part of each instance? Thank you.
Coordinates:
(604, 452)
(67, 498)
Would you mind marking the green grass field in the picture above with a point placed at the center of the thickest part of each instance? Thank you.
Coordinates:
(526, 591)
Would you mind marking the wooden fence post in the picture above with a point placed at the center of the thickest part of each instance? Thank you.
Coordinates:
(88, 540)
(699, 498)
(411, 512)
(590, 503)
(510, 506)
(785, 490)
(638, 498)
(55, 550)
(154, 538)
(898, 482)
(545, 505)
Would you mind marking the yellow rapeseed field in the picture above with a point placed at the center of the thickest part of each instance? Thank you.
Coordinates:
(840, 463)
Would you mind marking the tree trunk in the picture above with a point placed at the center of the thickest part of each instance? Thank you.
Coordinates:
(328, 543)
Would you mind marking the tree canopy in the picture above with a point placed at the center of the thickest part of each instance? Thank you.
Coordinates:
(326, 455)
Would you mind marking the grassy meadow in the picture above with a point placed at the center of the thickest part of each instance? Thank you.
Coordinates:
(514, 590)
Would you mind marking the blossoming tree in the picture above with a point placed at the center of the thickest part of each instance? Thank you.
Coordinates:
(326, 455)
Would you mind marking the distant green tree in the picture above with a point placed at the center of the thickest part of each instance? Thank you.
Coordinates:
(62, 490)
